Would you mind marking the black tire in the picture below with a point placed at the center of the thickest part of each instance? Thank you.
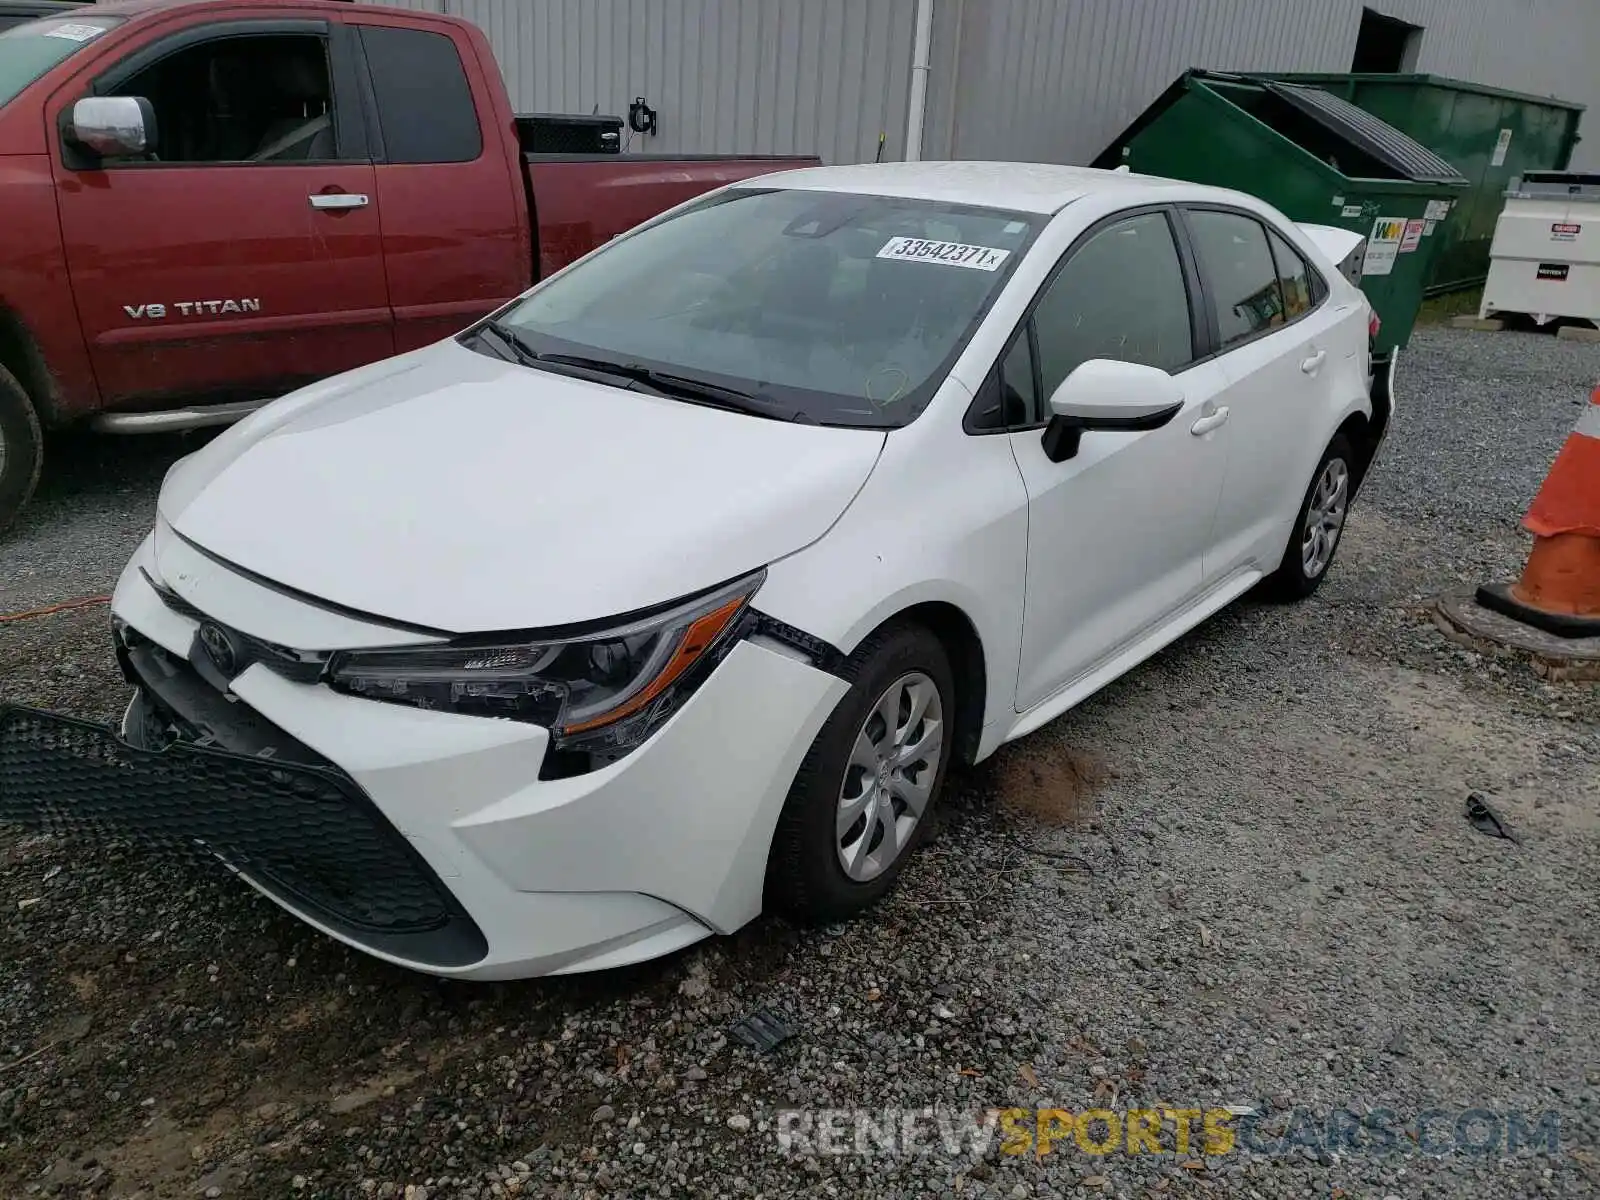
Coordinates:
(1291, 581)
(21, 448)
(805, 879)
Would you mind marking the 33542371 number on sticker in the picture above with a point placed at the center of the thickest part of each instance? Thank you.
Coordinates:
(949, 254)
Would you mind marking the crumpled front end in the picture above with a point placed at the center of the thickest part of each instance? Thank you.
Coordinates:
(426, 838)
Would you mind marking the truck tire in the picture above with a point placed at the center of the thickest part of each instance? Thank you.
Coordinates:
(21, 448)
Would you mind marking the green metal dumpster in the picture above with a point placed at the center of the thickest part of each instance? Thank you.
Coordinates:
(1314, 157)
(1490, 136)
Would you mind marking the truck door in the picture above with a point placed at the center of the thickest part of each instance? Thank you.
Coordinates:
(453, 198)
(243, 257)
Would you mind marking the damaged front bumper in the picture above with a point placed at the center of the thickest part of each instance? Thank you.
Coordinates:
(300, 830)
(424, 838)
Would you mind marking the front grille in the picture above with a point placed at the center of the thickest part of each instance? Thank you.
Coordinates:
(306, 834)
(297, 666)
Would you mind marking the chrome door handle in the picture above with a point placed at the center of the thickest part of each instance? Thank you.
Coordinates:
(337, 200)
(1214, 419)
(1311, 365)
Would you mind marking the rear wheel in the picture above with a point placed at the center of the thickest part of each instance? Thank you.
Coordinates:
(21, 448)
(1320, 525)
(864, 794)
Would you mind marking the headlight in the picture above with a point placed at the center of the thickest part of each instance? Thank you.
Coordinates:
(602, 692)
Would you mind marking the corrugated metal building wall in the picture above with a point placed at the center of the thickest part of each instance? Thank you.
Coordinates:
(1076, 72)
(726, 76)
(1052, 80)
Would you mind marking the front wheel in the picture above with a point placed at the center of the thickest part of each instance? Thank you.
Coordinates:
(1319, 526)
(864, 794)
(21, 448)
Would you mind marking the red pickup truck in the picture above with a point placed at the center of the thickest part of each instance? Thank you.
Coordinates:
(209, 204)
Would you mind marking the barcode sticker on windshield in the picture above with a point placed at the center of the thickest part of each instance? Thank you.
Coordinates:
(950, 254)
(75, 33)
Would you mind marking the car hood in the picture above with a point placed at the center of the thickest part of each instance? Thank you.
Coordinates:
(451, 490)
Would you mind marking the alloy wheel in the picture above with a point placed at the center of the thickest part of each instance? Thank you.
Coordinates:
(889, 779)
(1325, 518)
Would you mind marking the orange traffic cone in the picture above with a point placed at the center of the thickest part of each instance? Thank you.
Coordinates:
(1559, 591)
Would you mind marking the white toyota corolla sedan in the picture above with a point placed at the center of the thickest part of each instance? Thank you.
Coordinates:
(669, 593)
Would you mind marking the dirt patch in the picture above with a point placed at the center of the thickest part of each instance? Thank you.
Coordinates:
(1046, 782)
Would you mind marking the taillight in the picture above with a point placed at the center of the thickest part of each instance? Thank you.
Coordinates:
(1373, 325)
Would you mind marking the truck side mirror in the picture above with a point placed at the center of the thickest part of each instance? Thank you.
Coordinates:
(113, 126)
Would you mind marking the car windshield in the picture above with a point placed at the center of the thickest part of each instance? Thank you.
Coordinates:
(837, 308)
(28, 51)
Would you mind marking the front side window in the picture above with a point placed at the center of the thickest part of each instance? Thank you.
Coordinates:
(1239, 271)
(1007, 400)
(27, 51)
(1120, 296)
(253, 99)
(848, 309)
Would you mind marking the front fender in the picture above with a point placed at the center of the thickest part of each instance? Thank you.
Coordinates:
(942, 519)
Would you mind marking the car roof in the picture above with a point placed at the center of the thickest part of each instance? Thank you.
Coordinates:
(133, 8)
(14, 8)
(1042, 188)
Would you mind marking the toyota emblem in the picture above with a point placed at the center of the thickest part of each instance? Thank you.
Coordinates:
(219, 649)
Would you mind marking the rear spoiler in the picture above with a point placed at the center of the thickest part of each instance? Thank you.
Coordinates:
(1344, 248)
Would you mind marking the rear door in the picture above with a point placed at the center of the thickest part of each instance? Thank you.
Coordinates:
(1277, 337)
(452, 219)
(242, 258)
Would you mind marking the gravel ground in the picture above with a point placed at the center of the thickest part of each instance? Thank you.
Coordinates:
(1240, 875)
(93, 507)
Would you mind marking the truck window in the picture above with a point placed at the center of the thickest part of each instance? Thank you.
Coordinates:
(425, 106)
(262, 99)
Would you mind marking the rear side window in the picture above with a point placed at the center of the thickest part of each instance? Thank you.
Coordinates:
(1239, 273)
(1120, 296)
(424, 101)
(1303, 288)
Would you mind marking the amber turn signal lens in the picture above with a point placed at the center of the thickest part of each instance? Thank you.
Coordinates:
(697, 639)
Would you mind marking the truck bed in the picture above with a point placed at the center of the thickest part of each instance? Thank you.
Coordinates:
(585, 200)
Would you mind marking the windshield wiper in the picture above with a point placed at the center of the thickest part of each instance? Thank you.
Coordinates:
(510, 346)
(683, 387)
(505, 342)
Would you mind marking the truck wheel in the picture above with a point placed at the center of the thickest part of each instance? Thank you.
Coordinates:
(21, 448)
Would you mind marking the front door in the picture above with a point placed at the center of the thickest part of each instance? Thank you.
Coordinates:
(1117, 534)
(243, 256)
